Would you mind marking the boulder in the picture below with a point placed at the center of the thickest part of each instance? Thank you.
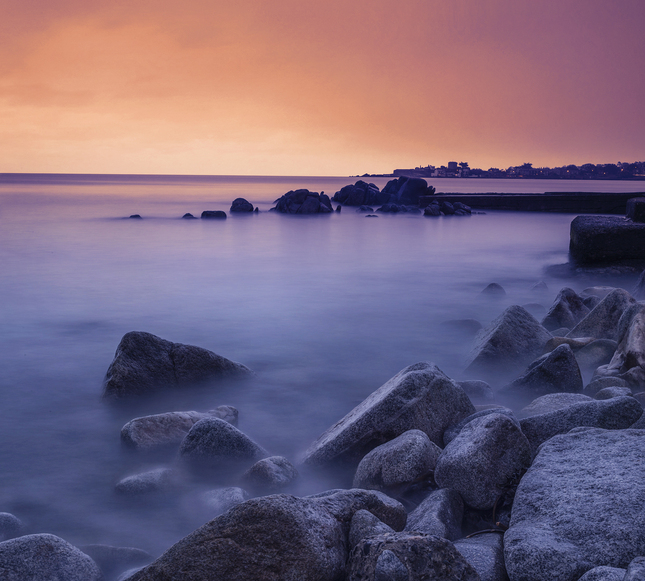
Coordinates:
(45, 557)
(447, 208)
(602, 321)
(274, 538)
(303, 202)
(575, 344)
(604, 574)
(613, 414)
(408, 557)
(213, 215)
(269, 475)
(591, 302)
(363, 525)
(397, 463)
(510, 342)
(636, 569)
(440, 514)
(144, 363)
(168, 429)
(10, 526)
(487, 454)
(552, 402)
(115, 560)
(610, 392)
(157, 481)
(567, 311)
(485, 553)
(453, 431)
(494, 290)
(597, 353)
(418, 397)
(579, 506)
(240, 205)
(220, 500)
(432, 210)
(188, 216)
(596, 291)
(360, 194)
(598, 383)
(406, 190)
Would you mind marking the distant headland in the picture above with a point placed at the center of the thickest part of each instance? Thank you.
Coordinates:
(588, 171)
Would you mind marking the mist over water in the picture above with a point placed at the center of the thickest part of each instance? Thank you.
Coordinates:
(324, 309)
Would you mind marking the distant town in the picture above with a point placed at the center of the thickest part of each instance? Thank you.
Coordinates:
(588, 171)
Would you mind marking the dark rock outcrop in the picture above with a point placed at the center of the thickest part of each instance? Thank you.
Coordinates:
(567, 311)
(213, 215)
(241, 205)
(407, 191)
(303, 202)
(360, 194)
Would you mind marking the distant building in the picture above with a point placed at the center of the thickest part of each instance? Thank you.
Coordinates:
(452, 166)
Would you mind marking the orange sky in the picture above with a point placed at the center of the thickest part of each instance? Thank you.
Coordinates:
(334, 87)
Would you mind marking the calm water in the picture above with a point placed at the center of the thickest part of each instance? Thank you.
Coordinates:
(325, 309)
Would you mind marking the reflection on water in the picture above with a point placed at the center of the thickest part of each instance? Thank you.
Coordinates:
(325, 309)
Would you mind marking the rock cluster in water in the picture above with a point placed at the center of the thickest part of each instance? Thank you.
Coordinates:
(530, 475)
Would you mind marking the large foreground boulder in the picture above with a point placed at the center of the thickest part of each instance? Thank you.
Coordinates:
(602, 321)
(303, 202)
(419, 397)
(144, 363)
(274, 538)
(579, 506)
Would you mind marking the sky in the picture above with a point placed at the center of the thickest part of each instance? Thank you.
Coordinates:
(333, 87)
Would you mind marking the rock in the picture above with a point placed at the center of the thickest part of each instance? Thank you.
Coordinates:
(613, 414)
(156, 481)
(485, 553)
(636, 569)
(269, 475)
(365, 209)
(339, 208)
(408, 557)
(578, 506)
(487, 454)
(371, 216)
(440, 514)
(10, 526)
(591, 302)
(241, 205)
(596, 291)
(213, 215)
(494, 290)
(447, 208)
(606, 239)
(510, 342)
(604, 574)
(453, 431)
(567, 311)
(478, 391)
(597, 353)
(136, 217)
(273, 538)
(601, 382)
(115, 560)
(639, 290)
(143, 363)
(575, 344)
(462, 209)
(303, 202)
(220, 500)
(432, 210)
(552, 402)
(397, 463)
(360, 194)
(168, 429)
(418, 397)
(406, 190)
(609, 392)
(602, 321)
(363, 525)
(45, 557)
(554, 372)
(392, 209)
(214, 443)
(188, 216)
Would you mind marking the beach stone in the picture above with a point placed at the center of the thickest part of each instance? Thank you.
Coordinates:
(636, 569)
(598, 383)
(241, 205)
(168, 429)
(274, 538)
(408, 557)
(579, 506)
(115, 560)
(10, 526)
(453, 431)
(155, 481)
(303, 202)
(439, 514)
(494, 290)
(478, 391)
(213, 215)
(364, 525)
(511, 341)
(613, 414)
(485, 553)
(143, 363)
(214, 443)
(602, 321)
(480, 462)
(135, 217)
(219, 500)
(609, 392)
(554, 372)
(360, 194)
(399, 462)
(269, 475)
(45, 557)
(597, 353)
(552, 402)
(567, 310)
(419, 397)
(604, 574)
(639, 290)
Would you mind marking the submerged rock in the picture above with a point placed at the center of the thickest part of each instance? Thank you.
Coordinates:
(10, 526)
(485, 553)
(156, 481)
(494, 290)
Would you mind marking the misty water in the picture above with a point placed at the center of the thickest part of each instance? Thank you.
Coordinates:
(324, 309)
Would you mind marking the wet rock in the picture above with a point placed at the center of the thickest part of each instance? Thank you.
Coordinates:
(168, 429)
(397, 463)
(213, 215)
(478, 391)
(269, 475)
(613, 414)
(453, 431)
(602, 321)
(567, 311)
(214, 443)
(494, 290)
(418, 397)
(609, 392)
(554, 372)
(10, 526)
(303, 202)
(485, 553)
(115, 560)
(364, 525)
(157, 481)
(360, 194)
(595, 354)
(552, 402)
(143, 363)
(240, 205)
(579, 506)
(220, 500)
(604, 574)
(408, 557)
(439, 514)
(45, 557)
(371, 216)
(273, 538)
(480, 462)
(599, 383)
(510, 342)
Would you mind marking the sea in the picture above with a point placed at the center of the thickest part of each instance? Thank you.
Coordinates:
(324, 309)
